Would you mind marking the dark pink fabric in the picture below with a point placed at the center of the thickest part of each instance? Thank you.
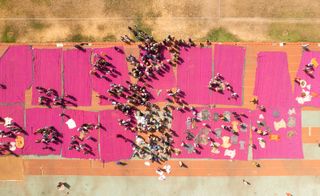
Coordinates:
(289, 147)
(163, 80)
(118, 60)
(313, 82)
(113, 148)
(77, 80)
(272, 83)
(179, 125)
(39, 118)
(47, 71)
(194, 74)
(15, 73)
(229, 62)
(80, 118)
(17, 115)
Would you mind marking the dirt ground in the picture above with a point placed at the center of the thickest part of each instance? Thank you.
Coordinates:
(105, 20)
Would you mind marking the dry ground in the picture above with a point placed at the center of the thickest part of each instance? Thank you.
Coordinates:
(104, 20)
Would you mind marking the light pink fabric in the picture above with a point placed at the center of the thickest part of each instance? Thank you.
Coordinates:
(80, 118)
(118, 60)
(272, 83)
(113, 148)
(194, 74)
(39, 118)
(47, 71)
(17, 115)
(313, 82)
(179, 125)
(289, 147)
(229, 62)
(77, 80)
(15, 73)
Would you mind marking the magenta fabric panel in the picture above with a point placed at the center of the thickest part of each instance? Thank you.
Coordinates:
(284, 138)
(16, 113)
(194, 74)
(39, 118)
(309, 86)
(227, 144)
(113, 148)
(80, 118)
(47, 71)
(118, 60)
(272, 83)
(229, 62)
(77, 80)
(15, 73)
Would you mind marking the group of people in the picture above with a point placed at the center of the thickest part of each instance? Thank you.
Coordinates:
(11, 130)
(218, 84)
(50, 97)
(48, 135)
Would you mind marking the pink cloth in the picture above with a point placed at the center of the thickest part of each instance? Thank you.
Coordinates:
(163, 80)
(236, 144)
(39, 118)
(313, 83)
(17, 115)
(113, 148)
(229, 62)
(194, 74)
(272, 84)
(47, 71)
(118, 60)
(80, 118)
(281, 127)
(15, 73)
(77, 80)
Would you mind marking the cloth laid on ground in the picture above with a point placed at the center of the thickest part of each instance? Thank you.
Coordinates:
(283, 128)
(77, 80)
(47, 71)
(74, 120)
(119, 76)
(113, 147)
(13, 115)
(276, 132)
(208, 128)
(39, 118)
(164, 79)
(307, 88)
(229, 62)
(15, 73)
(194, 74)
(272, 82)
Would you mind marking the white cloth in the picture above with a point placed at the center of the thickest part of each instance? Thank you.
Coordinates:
(71, 124)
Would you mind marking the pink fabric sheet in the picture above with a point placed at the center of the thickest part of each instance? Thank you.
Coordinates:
(180, 125)
(287, 146)
(113, 148)
(47, 71)
(118, 60)
(313, 82)
(15, 73)
(272, 84)
(17, 115)
(194, 74)
(80, 118)
(39, 118)
(229, 62)
(164, 80)
(77, 80)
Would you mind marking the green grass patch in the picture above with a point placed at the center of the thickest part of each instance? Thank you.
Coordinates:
(36, 25)
(220, 35)
(109, 38)
(78, 37)
(138, 21)
(9, 35)
(294, 32)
